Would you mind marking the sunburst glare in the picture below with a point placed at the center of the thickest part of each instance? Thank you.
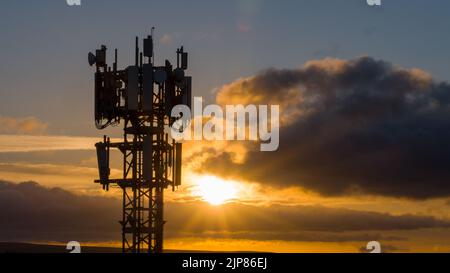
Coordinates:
(214, 190)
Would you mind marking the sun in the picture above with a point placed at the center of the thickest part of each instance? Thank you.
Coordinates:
(214, 190)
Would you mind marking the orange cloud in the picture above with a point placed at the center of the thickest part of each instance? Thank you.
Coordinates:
(27, 125)
(362, 126)
(166, 39)
(28, 143)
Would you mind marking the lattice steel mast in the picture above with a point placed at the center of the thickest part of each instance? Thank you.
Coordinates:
(142, 97)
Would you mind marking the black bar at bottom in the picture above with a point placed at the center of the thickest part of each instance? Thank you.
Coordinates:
(226, 262)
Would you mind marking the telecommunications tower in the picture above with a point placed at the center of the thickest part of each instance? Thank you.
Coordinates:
(141, 96)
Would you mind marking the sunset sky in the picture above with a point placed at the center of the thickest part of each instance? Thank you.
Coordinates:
(365, 123)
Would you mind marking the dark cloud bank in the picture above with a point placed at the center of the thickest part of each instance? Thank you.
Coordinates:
(30, 212)
(358, 125)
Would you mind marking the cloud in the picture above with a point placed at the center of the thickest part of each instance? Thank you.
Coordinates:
(235, 217)
(48, 169)
(73, 157)
(300, 236)
(362, 125)
(27, 143)
(166, 39)
(76, 178)
(29, 211)
(386, 249)
(27, 125)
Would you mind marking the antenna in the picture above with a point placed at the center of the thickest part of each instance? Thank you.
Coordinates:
(115, 61)
(184, 58)
(91, 59)
(152, 33)
(137, 51)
